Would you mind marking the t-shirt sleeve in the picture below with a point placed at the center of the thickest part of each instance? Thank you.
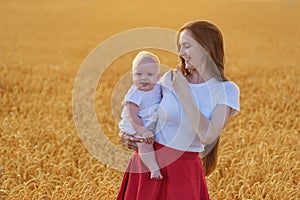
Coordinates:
(231, 98)
(133, 96)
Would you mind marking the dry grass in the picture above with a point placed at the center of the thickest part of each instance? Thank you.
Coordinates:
(43, 44)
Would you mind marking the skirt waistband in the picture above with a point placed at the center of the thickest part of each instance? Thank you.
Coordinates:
(170, 151)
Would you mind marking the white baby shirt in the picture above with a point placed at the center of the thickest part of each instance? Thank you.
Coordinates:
(147, 101)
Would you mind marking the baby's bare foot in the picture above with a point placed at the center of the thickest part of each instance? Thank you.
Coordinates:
(156, 175)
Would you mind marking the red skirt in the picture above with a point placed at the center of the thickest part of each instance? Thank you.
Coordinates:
(183, 177)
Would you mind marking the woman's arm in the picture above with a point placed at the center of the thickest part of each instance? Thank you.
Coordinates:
(218, 121)
(207, 130)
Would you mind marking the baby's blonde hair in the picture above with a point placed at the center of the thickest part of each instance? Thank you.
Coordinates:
(142, 55)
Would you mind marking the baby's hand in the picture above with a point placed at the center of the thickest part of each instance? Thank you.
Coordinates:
(148, 137)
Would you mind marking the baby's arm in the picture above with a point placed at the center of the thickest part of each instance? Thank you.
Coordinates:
(137, 123)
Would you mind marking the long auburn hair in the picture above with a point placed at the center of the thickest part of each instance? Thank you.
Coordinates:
(211, 39)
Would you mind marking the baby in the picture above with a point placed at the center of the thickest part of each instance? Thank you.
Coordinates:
(140, 104)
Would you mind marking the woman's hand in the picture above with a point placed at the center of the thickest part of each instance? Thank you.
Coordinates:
(129, 140)
(180, 83)
(148, 137)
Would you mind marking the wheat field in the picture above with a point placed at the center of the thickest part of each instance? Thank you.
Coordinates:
(43, 44)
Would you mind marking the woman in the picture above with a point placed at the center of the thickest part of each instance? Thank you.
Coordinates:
(197, 102)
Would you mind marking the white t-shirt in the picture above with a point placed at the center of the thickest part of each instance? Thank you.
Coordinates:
(147, 101)
(173, 127)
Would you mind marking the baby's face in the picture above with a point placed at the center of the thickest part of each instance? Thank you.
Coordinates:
(145, 74)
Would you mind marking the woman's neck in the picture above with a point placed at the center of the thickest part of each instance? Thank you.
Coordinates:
(196, 78)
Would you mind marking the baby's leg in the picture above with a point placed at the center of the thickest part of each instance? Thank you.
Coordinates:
(147, 155)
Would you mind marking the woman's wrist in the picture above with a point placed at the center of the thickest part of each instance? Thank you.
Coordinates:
(125, 137)
(147, 133)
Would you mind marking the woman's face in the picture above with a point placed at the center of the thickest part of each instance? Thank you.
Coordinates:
(192, 52)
